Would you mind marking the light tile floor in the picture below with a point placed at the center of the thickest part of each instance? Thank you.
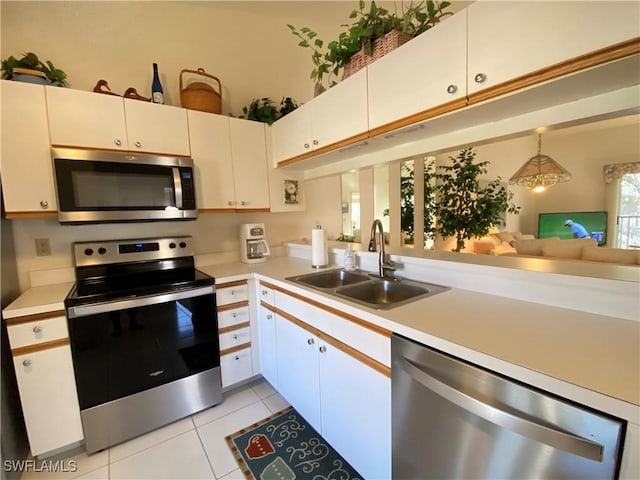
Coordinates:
(191, 448)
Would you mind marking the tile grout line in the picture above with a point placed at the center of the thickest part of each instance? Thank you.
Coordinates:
(206, 455)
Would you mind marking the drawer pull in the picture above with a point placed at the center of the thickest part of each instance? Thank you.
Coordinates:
(310, 341)
(37, 329)
(26, 363)
(236, 357)
(235, 337)
(322, 349)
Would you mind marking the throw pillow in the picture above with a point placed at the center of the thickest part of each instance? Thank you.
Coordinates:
(533, 247)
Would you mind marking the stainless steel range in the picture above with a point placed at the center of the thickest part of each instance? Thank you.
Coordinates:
(144, 337)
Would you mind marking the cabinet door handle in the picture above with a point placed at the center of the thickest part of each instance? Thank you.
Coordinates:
(236, 357)
(26, 363)
(306, 145)
(315, 142)
(235, 337)
(244, 204)
(310, 341)
(233, 292)
(230, 203)
(37, 329)
(234, 314)
(452, 89)
(269, 316)
(480, 77)
(44, 204)
(322, 349)
(264, 292)
(138, 145)
(118, 142)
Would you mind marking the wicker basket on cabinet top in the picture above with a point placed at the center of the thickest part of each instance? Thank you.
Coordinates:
(379, 48)
(201, 95)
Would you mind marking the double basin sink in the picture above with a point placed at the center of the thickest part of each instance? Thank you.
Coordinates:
(368, 289)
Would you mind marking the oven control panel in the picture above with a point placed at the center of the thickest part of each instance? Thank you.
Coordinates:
(118, 251)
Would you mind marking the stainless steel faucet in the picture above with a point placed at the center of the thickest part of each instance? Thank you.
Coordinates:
(384, 262)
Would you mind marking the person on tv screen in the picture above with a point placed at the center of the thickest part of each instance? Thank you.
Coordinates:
(578, 230)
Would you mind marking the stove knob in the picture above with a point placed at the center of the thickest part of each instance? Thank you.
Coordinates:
(172, 245)
(183, 244)
(102, 250)
(88, 252)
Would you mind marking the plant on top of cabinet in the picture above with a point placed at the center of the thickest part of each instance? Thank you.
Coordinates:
(466, 209)
(375, 32)
(29, 68)
(265, 110)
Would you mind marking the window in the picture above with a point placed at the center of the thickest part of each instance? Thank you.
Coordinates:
(628, 219)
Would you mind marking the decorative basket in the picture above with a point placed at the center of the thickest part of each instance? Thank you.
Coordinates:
(379, 48)
(201, 96)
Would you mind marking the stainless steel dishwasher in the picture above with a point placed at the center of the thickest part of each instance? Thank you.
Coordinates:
(455, 420)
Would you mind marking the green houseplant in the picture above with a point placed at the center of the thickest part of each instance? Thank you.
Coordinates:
(369, 25)
(267, 111)
(464, 208)
(12, 67)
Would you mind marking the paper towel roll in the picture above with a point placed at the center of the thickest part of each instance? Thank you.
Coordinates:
(319, 252)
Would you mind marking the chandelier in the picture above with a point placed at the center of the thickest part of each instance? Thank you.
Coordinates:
(540, 172)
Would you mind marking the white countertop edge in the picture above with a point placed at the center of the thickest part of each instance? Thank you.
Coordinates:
(26, 311)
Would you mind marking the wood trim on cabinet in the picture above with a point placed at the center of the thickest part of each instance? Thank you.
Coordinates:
(338, 313)
(267, 284)
(236, 283)
(327, 148)
(120, 150)
(47, 214)
(38, 347)
(35, 317)
(420, 116)
(231, 328)
(592, 59)
(233, 306)
(234, 210)
(237, 348)
(268, 306)
(352, 352)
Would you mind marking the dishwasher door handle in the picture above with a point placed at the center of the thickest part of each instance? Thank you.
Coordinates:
(536, 431)
(116, 305)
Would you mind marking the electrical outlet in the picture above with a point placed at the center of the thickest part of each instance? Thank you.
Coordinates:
(43, 247)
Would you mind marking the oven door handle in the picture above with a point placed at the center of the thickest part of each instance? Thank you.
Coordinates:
(103, 307)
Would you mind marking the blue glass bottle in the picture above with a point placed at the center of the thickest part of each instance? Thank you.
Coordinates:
(157, 94)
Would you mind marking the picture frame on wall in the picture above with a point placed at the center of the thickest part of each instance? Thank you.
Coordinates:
(291, 192)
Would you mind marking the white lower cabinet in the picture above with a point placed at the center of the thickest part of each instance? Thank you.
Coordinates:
(268, 348)
(236, 367)
(49, 400)
(341, 395)
(356, 412)
(298, 373)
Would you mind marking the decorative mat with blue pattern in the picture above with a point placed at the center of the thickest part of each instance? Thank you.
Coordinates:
(285, 447)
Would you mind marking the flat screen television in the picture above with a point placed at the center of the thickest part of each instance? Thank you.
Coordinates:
(553, 224)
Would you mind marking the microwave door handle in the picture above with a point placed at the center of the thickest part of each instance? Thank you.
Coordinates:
(177, 187)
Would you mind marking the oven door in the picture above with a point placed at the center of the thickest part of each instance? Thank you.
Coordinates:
(95, 186)
(131, 345)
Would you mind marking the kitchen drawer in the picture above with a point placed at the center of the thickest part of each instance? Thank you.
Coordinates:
(234, 338)
(228, 318)
(266, 294)
(232, 294)
(236, 367)
(37, 331)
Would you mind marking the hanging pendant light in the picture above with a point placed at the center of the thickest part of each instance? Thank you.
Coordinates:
(540, 172)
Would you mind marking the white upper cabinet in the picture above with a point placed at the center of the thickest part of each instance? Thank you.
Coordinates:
(323, 124)
(156, 128)
(86, 119)
(25, 162)
(93, 120)
(428, 71)
(211, 153)
(286, 186)
(510, 39)
(249, 153)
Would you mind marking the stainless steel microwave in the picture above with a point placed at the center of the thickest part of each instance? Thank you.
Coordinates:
(95, 186)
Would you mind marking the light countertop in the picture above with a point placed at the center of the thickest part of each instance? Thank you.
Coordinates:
(592, 352)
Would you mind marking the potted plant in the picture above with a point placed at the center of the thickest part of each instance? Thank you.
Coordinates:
(29, 68)
(267, 111)
(464, 208)
(372, 25)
